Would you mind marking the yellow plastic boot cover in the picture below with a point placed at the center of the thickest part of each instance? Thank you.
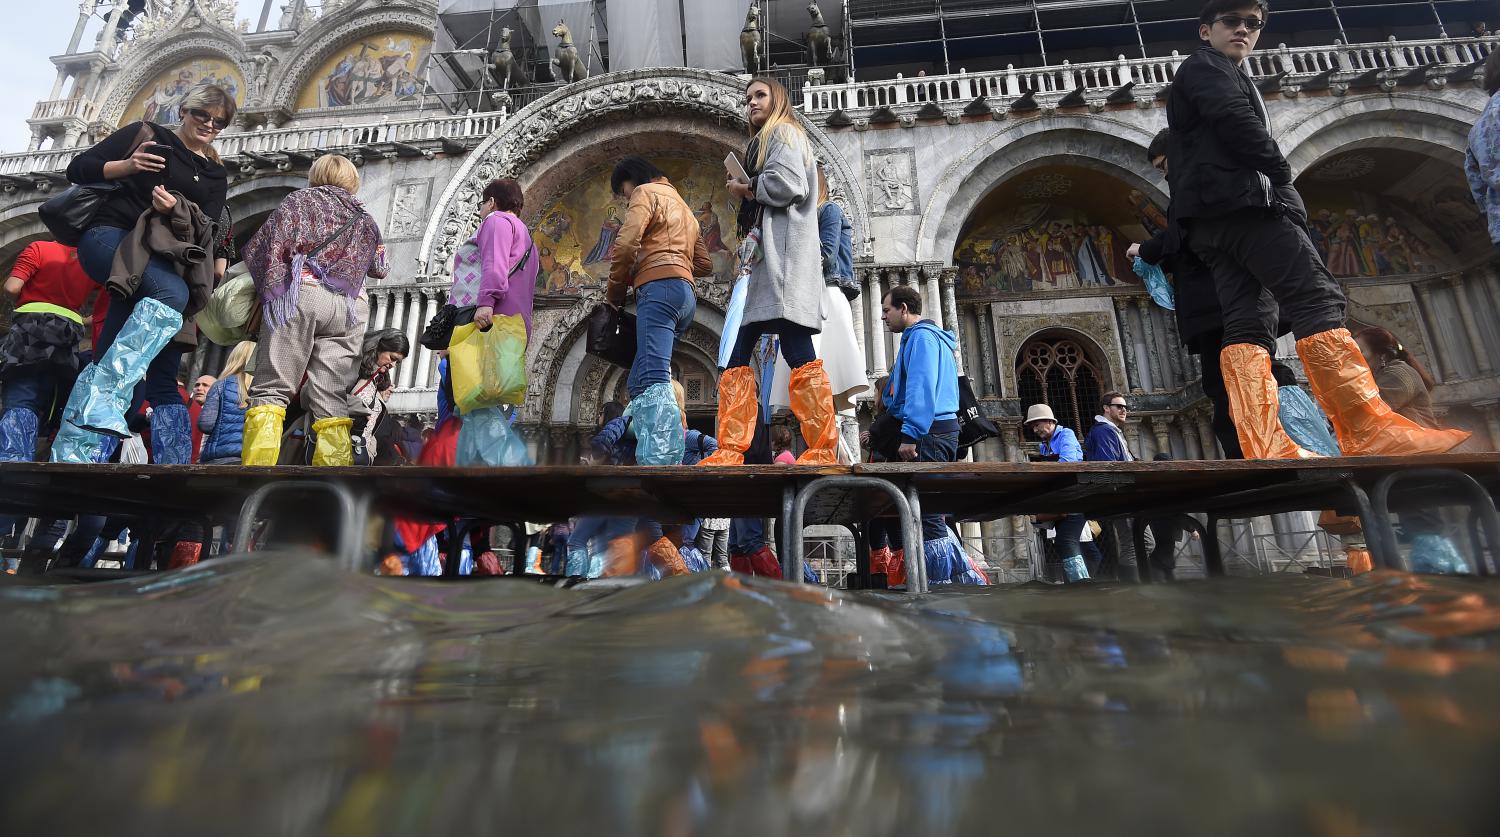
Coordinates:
(262, 445)
(333, 448)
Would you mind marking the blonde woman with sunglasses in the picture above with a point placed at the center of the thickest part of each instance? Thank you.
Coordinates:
(153, 167)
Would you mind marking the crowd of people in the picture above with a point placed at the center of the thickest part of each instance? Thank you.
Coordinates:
(310, 384)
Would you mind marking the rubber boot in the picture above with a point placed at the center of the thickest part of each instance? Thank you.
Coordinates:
(668, 560)
(171, 435)
(811, 395)
(1255, 405)
(656, 422)
(101, 404)
(82, 447)
(1075, 569)
(1346, 390)
(895, 569)
(738, 404)
(18, 428)
(262, 434)
(332, 447)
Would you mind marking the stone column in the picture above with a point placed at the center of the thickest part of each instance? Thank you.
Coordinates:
(398, 310)
(413, 331)
(106, 42)
(950, 309)
(1471, 326)
(1132, 431)
(857, 311)
(1491, 412)
(873, 292)
(1160, 425)
(989, 358)
(38, 136)
(423, 376)
(1150, 345)
(57, 85)
(1203, 420)
(1122, 322)
(1445, 366)
(85, 9)
(1171, 345)
(932, 293)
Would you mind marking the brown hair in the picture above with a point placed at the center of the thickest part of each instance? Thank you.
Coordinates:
(506, 193)
(1387, 346)
(781, 438)
(1492, 73)
(1109, 396)
(905, 295)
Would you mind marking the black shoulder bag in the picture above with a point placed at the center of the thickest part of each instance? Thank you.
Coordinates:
(69, 213)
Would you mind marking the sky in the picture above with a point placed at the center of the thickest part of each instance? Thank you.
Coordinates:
(28, 47)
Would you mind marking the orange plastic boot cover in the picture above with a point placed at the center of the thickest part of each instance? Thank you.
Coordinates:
(1254, 404)
(811, 395)
(738, 404)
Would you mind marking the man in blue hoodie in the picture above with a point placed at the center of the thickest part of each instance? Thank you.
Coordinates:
(923, 390)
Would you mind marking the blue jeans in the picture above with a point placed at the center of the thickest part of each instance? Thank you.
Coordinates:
(746, 535)
(1069, 530)
(663, 311)
(96, 254)
(939, 445)
(35, 392)
(796, 342)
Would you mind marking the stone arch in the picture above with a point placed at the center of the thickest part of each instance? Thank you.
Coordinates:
(1089, 374)
(165, 54)
(337, 31)
(700, 96)
(250, 201)
(1098, 141)
(1438, 127)
(1094, 328)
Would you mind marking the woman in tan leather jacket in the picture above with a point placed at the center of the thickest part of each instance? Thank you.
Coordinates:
(658, 252)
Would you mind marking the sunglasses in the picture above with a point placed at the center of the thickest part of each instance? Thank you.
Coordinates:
(219, 123)
(1254, 24)
(1120, 406)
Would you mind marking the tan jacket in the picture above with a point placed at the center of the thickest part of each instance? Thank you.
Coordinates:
(660, 239)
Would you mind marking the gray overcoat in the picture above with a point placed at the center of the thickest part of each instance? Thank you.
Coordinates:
(787, 283)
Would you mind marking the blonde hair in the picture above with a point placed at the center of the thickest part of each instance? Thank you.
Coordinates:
(822, 186)
(681, 395)
(209, 96)
(334, 170)
(239, 357)
(780, 124)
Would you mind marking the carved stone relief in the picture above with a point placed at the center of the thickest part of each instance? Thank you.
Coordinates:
(408, 216)
(892, 176)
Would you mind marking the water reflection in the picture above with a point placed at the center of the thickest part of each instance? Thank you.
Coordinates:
(277, 695)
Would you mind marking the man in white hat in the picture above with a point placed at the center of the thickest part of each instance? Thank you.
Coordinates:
(1060, 444)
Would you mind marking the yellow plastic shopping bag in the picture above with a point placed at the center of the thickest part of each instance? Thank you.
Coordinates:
(488, 368)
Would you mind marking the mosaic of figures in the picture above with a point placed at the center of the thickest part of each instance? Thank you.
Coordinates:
(1356, 243)
(160, 101)
(575, 235)
(381, 69)
(1045, 247)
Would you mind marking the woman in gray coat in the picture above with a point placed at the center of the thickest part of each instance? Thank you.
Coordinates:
(781, 253)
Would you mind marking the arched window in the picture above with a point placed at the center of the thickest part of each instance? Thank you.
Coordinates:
(1056, 371)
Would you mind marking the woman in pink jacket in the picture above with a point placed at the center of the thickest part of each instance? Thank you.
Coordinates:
(494, 274)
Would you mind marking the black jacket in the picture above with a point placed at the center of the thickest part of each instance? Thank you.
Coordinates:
(1222, 156)
(201, 181)
(1199, 317)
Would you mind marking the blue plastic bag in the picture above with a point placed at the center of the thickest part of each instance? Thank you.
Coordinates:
(656, 422)
(733, 315)
(486, 439)
(1435, 554)
(1304, 422)
(1156, 283)
(693, 558)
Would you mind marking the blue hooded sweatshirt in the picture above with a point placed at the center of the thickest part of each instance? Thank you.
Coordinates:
(924, 380)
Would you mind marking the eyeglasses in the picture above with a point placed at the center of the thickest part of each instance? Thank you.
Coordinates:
(1120, 406)
(218, 123)
(1254, 24)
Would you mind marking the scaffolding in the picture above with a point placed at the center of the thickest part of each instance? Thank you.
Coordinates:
(943, 36)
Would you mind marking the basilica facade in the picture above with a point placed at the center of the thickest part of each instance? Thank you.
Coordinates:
(1008, 196)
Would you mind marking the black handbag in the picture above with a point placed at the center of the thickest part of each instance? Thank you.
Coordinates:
(885, 437)
(612, 335)
(70, 212)
(973, 427)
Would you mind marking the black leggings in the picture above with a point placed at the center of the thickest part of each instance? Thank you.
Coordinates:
(796, 342)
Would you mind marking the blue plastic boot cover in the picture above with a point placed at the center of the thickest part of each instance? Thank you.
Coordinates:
(100, 405)
(1075, 568)
(657, 424)
(171, 435)
(18, 428)
(79, 446)
(486, 439)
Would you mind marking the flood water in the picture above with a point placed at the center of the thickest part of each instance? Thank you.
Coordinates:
(277, 695)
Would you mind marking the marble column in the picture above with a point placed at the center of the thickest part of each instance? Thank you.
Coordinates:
(85, 9)
(1150, 345)
(1446, 369)
(413, 331)
(876, 354)
(1132, 431)
(857, 311)
(1471, 326)
(106, 41)
(1491, 412)
(1160, 427)
(424, 354)
(950, 310)
(1203, 421)
(398, 309)
(57, 84)
(989, 359)
(933, 305)
(1132, 382)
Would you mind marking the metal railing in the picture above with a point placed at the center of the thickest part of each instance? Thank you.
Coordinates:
(1146, 74)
